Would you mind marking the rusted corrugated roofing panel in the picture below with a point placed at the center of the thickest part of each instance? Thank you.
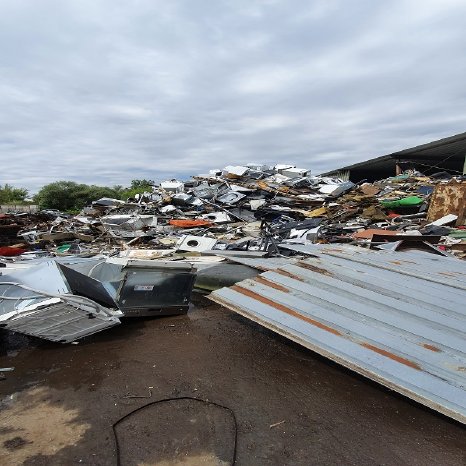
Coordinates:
(447, 270)
(404, 332)
(260, 263)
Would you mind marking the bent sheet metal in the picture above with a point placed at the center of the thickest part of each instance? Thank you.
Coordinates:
(65, 299)
(36, 301)
(406, 333)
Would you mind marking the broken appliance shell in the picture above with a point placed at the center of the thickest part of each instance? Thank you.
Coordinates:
(192, 243)
(141, 287)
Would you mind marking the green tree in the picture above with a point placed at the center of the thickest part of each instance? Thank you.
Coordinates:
(142, 184)
(118, 188)
(137, 187)
(71, 196)
(9, 194)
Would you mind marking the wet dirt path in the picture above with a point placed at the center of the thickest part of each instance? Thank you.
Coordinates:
(291, 406)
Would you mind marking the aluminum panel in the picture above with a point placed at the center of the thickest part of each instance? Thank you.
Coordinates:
(446, 270)
(366, 314)
(61, 321)
(260, 263)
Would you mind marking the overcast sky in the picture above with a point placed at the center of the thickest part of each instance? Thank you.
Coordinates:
(105, 91)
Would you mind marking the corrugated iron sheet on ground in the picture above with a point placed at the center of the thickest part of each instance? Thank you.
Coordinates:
(399, 329)
(447, 270)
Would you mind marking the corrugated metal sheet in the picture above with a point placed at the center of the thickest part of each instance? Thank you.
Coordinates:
(372, 315)
(35, 300)
(421, 264)
(60, 321)
(260, 263)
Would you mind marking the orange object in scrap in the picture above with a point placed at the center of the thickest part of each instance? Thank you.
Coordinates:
(186, 223)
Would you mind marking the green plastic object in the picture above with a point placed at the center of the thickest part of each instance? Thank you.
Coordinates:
(399, 177)
(63, 247)
(458, 234)
(405, 202)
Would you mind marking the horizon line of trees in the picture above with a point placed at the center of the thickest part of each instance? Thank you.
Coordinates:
(69, 196)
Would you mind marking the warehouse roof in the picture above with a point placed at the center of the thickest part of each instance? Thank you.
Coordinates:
(443, 154)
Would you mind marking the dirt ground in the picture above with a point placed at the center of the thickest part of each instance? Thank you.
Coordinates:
(279, 403)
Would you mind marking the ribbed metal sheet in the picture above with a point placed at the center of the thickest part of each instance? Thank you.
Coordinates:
(447, 270)
(260, 263)
(394, 326)
(61, 322)
(35, 300)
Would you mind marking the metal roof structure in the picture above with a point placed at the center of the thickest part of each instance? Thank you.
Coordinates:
(362, 311)
(444, 154)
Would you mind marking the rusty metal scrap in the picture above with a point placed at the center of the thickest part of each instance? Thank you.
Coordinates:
(373, 314)
(449, 198)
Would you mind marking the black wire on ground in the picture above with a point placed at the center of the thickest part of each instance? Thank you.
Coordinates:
(165, 400)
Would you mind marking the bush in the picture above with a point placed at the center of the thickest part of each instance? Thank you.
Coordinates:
(12, 195)
(71, 196)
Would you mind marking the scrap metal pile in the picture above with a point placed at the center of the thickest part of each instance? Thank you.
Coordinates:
(64, 277)
(252, 207)
(266, 242)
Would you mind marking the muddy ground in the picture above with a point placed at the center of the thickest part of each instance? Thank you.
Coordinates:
(283, 404)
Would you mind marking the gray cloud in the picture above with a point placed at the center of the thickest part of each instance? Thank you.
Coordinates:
(104, 92)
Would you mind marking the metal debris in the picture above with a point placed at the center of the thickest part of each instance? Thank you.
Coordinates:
(396, 318)
(64, 300)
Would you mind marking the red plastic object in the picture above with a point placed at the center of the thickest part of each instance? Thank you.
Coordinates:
(9, 251)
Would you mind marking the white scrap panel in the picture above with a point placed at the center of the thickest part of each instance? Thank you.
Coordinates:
(393, 326)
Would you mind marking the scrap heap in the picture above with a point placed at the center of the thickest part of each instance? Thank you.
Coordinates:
(253, 207)
(266, 243)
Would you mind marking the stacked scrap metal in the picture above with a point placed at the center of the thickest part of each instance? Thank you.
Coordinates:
(252, 207)
(391, 310)
(238, 219)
